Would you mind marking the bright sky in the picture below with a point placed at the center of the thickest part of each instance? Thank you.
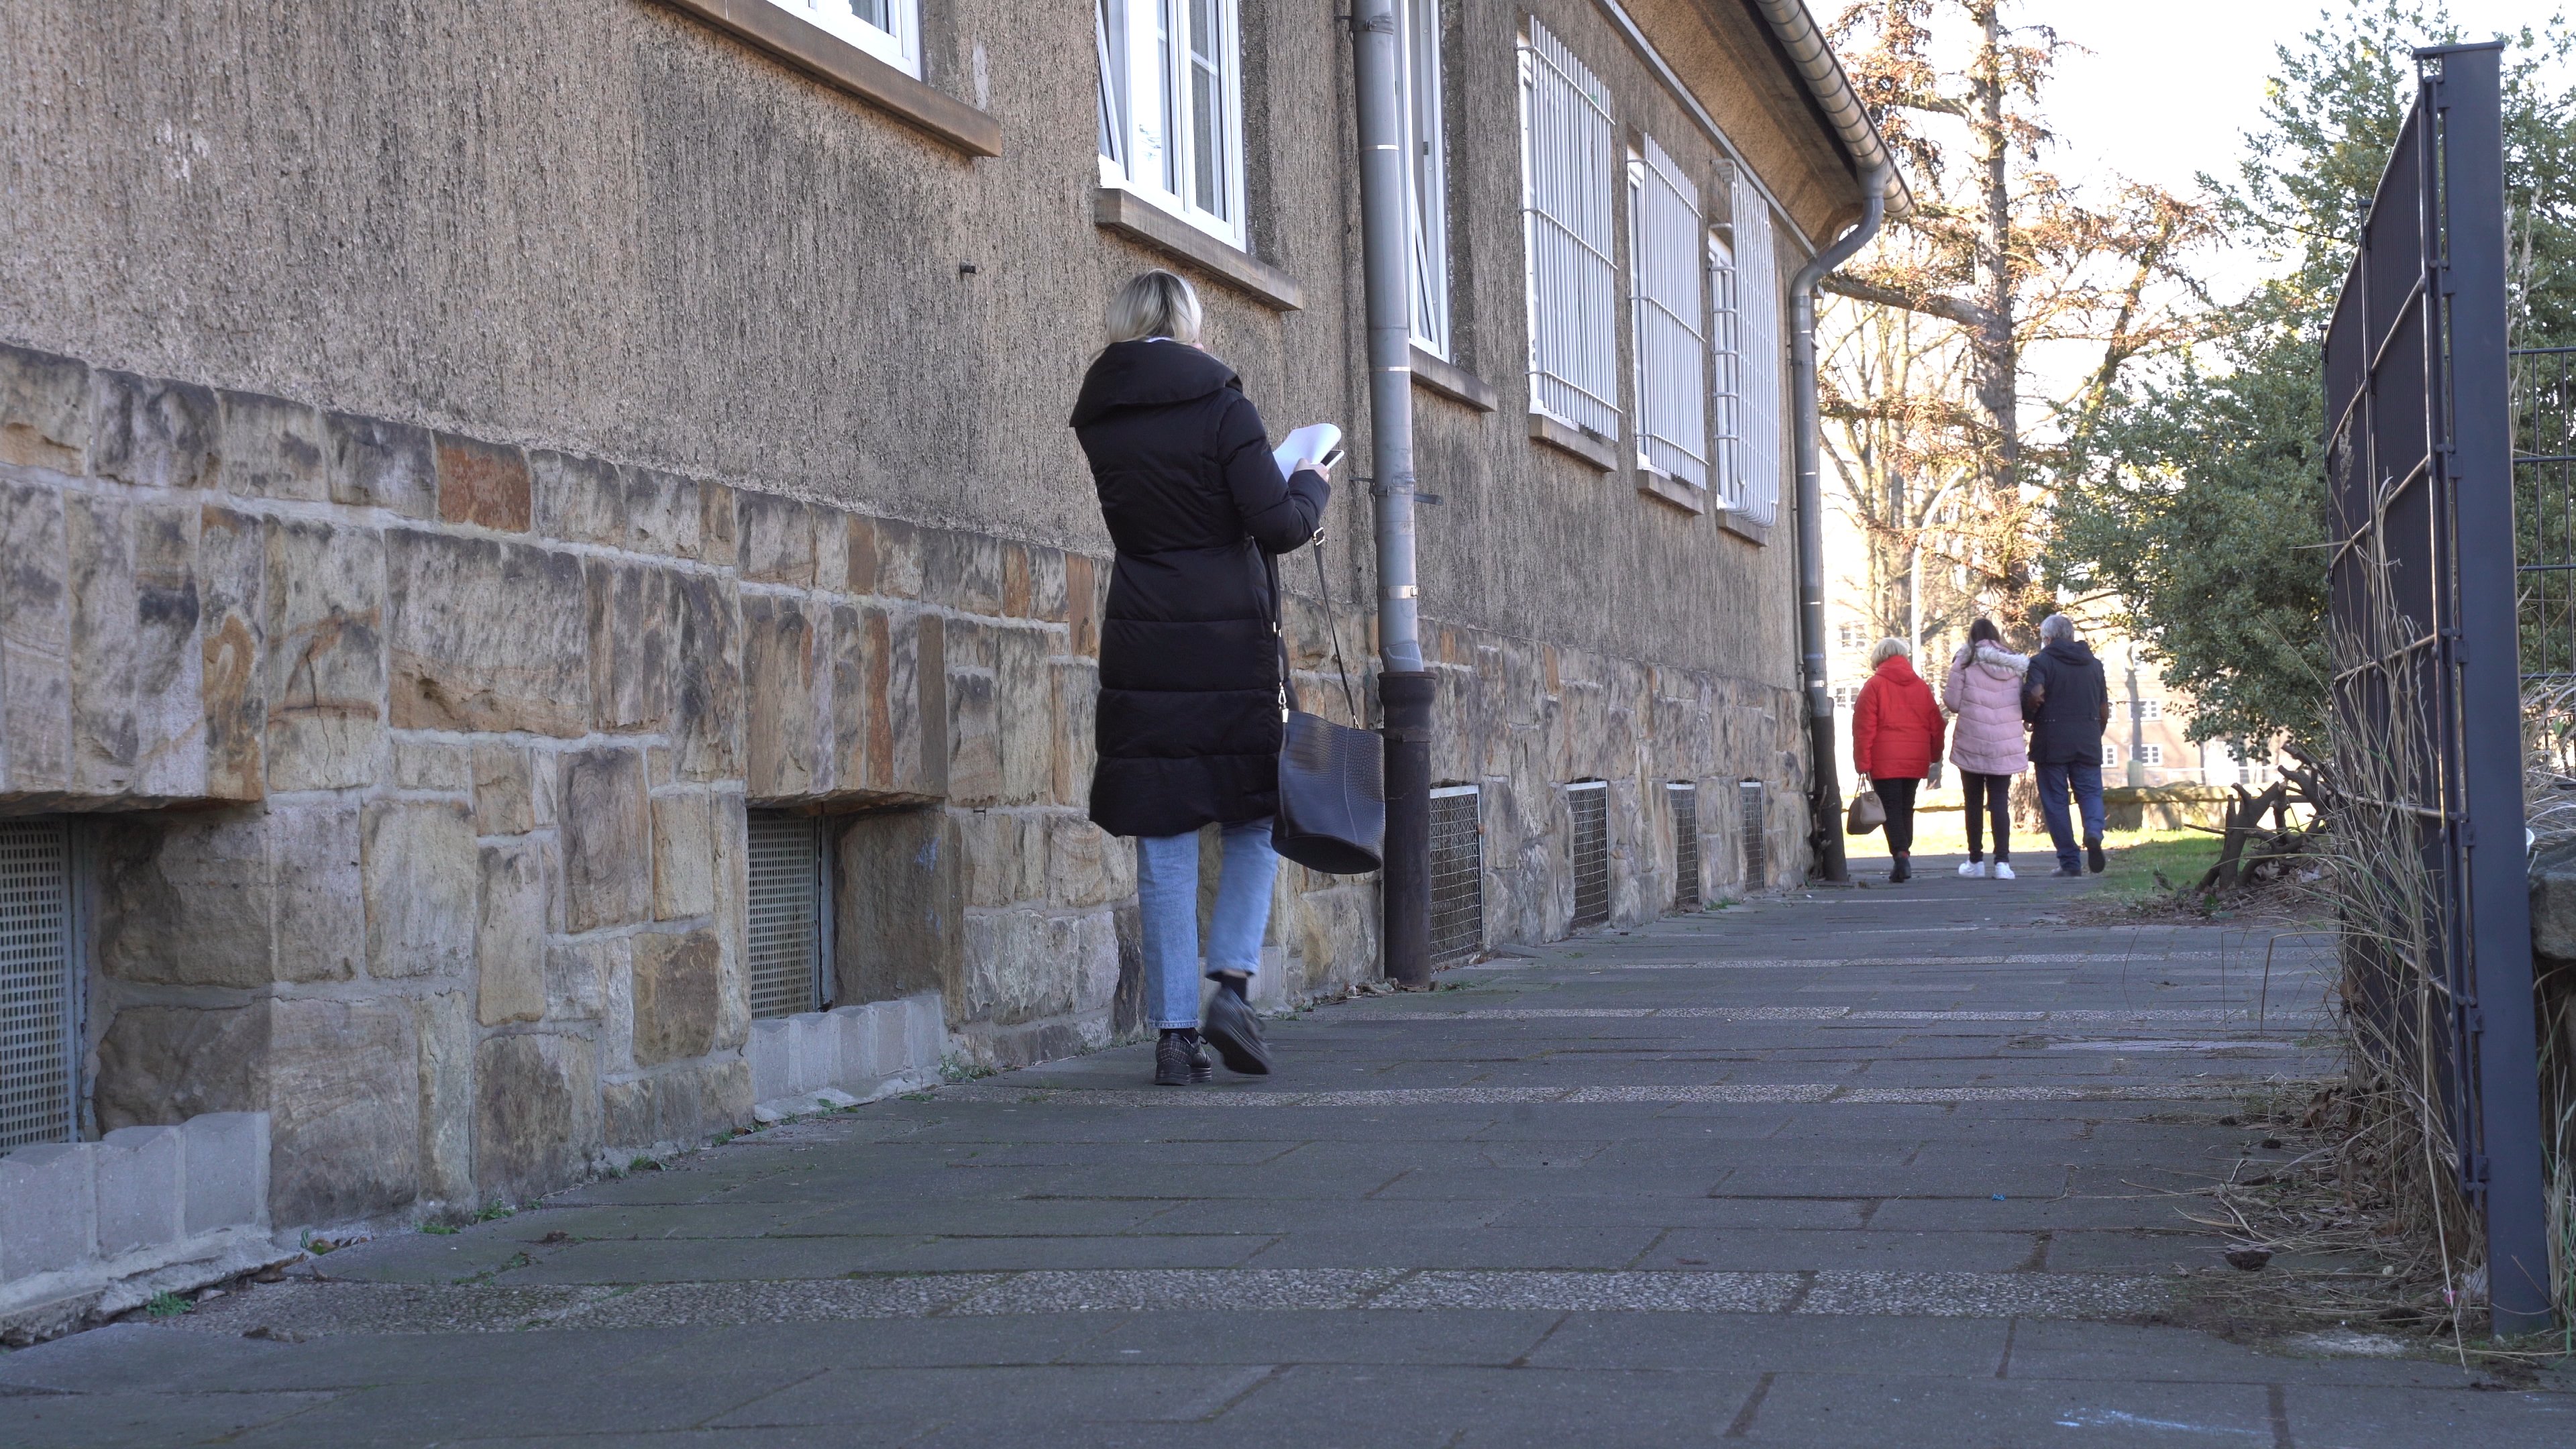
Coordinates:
(2170, 85)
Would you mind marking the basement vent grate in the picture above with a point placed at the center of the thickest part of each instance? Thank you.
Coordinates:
(1685, 803)
(36, 1001)
(1752, 804)
(1590, 803)
(789, 914)
(1457, 873)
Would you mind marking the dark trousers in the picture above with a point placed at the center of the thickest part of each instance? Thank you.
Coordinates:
(2084, 780)
(1898, 797)
(1988, 798)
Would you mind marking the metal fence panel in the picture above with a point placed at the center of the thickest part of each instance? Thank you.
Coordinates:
(1685, 803)
(2424, 629)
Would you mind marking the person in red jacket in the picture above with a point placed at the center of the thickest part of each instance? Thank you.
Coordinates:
(1896, 735)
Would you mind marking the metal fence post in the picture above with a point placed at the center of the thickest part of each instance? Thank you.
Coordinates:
(2470, 284)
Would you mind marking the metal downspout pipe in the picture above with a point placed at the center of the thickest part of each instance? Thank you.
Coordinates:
(1405, 689)
(1825, 793)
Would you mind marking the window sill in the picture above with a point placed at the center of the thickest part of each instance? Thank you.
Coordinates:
(837, 63)
(1139, 220)
(1453, 382)
(1668, 489)
(1582, 444)
(1743, 526)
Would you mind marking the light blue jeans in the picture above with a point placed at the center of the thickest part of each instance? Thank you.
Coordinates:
(1167, 906)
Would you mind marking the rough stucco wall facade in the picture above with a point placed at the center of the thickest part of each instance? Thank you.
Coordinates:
(457, 460)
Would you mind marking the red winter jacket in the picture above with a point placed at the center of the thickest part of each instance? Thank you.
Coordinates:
(1896, 726)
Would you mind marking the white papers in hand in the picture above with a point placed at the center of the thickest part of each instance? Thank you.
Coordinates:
(1311, 444)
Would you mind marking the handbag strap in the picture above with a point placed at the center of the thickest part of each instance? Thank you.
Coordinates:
(1350, 701)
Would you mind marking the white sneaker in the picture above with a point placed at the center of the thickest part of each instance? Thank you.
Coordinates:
(2003, 870)
(1972, 870)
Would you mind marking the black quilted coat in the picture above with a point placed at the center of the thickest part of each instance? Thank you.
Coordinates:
(1188, 729)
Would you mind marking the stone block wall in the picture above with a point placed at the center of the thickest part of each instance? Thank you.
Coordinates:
(414, 769)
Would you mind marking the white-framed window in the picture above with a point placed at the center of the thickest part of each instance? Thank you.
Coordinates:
(1426, 166)
(1848, 634)
(2153, 755)
(890, 30)
(1664, 241)
(1845, 695)
(1745, 342)
(2110, 755)
(1171, 107)
(2149, 708)
(1567, 158)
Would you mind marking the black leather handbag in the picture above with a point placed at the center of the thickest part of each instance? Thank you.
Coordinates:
(1332, 777)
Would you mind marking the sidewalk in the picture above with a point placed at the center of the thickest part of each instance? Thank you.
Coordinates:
(1869, 1167)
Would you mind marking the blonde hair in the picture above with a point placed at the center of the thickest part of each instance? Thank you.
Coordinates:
(1887, 649)
(1155, 304)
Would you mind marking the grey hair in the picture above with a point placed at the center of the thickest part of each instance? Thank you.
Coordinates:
(1887, 649)
(1155, 304)
(2057, 629)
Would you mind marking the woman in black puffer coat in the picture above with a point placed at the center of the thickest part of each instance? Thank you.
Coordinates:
(1190, 686)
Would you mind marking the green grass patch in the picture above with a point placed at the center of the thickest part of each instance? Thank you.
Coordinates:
(443, 1230)
(168, 1305)
(2137, 857)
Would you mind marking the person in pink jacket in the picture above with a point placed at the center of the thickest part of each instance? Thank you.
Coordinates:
(1984, 690)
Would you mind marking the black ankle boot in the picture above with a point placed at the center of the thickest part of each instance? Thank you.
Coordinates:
(1234, 1031)
(1179, 1060)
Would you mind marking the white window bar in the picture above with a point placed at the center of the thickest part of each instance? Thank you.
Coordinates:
(790, 913)
(1171, 107)
(890, 30)
(1426, 172)
(1664, 241)
(1747, 389)
(1726, 384)
(39, 1017)
(1566, 181)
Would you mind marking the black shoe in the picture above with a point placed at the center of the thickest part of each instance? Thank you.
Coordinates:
(1236, 1034)
(1173, 1064)
(1902, 872)
(2067, 873)
(2093, 856)
(1202, 1066)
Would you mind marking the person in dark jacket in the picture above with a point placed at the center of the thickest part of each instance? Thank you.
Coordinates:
(1191, 690)
(1896, 737)
(2068, 704)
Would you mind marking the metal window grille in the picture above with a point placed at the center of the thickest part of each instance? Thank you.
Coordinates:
(1664, 264)
(1426, 163)
(1589, 802)
(38, 1020)
(790, 914)
(1746, 343)
(1567, 162)
(1752, 807)
(1685, 803)
(1457, 873)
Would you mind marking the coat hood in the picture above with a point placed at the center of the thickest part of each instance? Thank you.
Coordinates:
(2069, 651)
(1998, 661)
(1148, 374)
(1896, 666)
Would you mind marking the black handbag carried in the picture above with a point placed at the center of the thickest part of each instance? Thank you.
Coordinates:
(1332, 778)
